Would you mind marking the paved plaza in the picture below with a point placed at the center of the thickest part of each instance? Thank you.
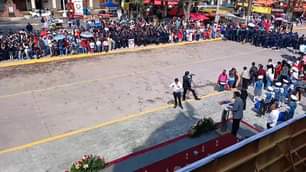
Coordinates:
(47, 100)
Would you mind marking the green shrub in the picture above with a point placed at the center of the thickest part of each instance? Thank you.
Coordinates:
(202, 126)
(89, 163)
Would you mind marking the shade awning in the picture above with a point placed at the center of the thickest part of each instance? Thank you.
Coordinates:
(176, 12)
(198, 17)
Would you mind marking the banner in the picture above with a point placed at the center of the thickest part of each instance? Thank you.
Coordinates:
(78, 7)
(262, 10)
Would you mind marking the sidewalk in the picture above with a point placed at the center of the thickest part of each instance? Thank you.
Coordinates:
(15, 63)
(120, 139)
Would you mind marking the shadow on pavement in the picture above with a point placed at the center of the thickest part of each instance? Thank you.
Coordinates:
(288, 57)
(184, 119)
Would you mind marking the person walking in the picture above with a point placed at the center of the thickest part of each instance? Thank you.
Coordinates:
(177, 91)
(187, 80)
(237, 111)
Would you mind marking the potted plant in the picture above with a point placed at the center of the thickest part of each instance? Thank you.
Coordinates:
(202, 126)
(88, 163)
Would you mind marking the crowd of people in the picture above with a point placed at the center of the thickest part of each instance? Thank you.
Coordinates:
(108, 35)
(260, 37)
(277, 88)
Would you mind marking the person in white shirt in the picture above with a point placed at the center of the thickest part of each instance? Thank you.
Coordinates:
(245, 75)
(99, 45)
(273, 116)
(92, 46)
(269, 75)
(105, 45)
(177, 92)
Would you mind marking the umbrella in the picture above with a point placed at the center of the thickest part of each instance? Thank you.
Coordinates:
(58, 37)
(109, 4)
(86, 34)
(280, 19)
(251, 25)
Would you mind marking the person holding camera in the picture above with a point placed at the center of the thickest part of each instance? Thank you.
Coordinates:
(187, 80)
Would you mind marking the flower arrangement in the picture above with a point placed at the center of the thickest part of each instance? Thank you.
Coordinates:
(202, 126)
(88, 163)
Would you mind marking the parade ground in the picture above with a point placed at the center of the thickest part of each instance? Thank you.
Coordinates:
(112, 105)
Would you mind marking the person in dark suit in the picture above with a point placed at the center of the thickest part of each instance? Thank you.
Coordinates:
(187, 79)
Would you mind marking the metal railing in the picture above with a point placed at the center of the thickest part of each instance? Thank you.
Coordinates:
(282, 148)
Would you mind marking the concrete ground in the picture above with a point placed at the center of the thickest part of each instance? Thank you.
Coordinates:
(120, 139)
(50, 99)
(39, 101)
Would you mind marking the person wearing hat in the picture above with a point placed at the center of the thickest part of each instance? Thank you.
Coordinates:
(286, 87)
(292, 106)
(258, 87)
(187, 80)
(278, 91)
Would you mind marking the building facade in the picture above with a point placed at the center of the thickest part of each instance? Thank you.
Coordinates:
(30, 5)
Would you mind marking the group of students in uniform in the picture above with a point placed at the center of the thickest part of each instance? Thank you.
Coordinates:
(277, 88)
(262, 38)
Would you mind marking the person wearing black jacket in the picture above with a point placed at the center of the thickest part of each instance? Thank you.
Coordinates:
(187, 79)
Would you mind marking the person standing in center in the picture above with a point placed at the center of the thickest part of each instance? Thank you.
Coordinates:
(187, 80)
(177, 91)
(245, 75)
(237, 111)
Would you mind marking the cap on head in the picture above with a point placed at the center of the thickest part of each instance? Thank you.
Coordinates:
(278, 84)
(270, 88)
(295, 69)
(293, 97)
(285, 81)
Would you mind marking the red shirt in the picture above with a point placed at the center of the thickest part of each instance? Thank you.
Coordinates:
(180, 35)
(278, 70)
(262, 72)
